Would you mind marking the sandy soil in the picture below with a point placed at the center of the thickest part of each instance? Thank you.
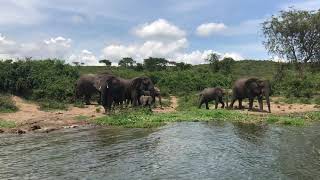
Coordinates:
(30, 117)
(171, 108)
(280, 108)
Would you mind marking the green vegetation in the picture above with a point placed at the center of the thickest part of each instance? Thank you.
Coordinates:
(7, 124)
(147, 119)
(38, 79)
(7, 105)
(81, 118)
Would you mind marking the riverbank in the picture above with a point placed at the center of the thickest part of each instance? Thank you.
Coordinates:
(29, 117)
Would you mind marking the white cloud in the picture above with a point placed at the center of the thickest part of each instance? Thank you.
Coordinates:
(58, 47)
(208, 29)
(159, 29)
(86, 57)
(22, 12)
(198, 57)
(147, 49)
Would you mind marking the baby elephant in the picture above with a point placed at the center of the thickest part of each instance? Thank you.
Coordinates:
(146, 99)
(210, 94)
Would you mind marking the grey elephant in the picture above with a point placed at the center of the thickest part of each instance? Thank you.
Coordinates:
(146, 99)
(88, 85)
(251, 88)
(210, 94)
(117, 90)
(157, 93)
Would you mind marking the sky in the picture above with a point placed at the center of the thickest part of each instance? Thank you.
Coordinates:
(180, 30)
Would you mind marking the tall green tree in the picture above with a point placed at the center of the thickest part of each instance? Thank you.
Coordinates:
(155, 64)
(226, 65)
(294, 35)
(213, 59)
(127, 62)
(106, 62)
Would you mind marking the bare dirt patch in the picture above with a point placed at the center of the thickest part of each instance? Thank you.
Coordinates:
(29, 117)
(171, 108)
(282, 108)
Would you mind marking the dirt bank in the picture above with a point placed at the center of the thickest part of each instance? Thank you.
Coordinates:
(30, 118)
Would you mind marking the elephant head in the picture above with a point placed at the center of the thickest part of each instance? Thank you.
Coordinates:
(266, 91)
(259, 88)
(112, 90)
(139, 85)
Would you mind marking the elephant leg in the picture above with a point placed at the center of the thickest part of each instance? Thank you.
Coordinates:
(233, 100)
(207, 105)
(221, 101)
(99, 100)
(216, 103)
(260, 103)
(200, 104)
(240, 104)
(87, 99)
(250, 104)
(160, 101)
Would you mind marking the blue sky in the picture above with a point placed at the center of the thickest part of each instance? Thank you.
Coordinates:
(181, 30)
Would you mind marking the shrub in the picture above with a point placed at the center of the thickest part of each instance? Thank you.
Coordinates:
(6, 104)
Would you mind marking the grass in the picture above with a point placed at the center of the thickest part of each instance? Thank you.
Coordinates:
(7, 124)
(7, 105)
(188, 111)
(52, 105)
(81, 118)
(146, 119)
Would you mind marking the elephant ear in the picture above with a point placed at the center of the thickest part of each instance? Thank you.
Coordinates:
(136, 82)
(251, 83)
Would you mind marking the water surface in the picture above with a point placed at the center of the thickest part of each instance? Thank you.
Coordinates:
(181, 150)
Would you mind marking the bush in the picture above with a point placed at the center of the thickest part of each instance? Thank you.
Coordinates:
(38, 79)
(6, 104)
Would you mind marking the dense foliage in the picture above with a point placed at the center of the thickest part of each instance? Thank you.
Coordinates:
(38, 79)
(53, 80)
(294, 35)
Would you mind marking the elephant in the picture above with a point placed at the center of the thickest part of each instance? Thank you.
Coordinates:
(157, 93)
(117, 90)
(146, 100)
(210, 94)
(251, 88)
(89, 84)
(154, 94)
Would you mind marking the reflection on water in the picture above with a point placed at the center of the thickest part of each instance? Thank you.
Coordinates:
(214, 150)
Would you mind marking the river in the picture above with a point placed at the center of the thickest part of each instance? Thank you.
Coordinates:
(215, 150)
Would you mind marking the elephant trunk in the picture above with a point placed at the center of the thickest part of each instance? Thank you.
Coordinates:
(268, 102)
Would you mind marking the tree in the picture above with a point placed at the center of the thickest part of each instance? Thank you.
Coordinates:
(76, 63)
(139, 67)
(226, 65)
(294, 35)
(106, 62)
(213, 59)
(183, 66)
(155, 64)
(126, 62)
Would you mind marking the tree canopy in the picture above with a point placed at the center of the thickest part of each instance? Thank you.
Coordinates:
(127, 62)
(106, 62)
(294, 35)
(155, 64)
